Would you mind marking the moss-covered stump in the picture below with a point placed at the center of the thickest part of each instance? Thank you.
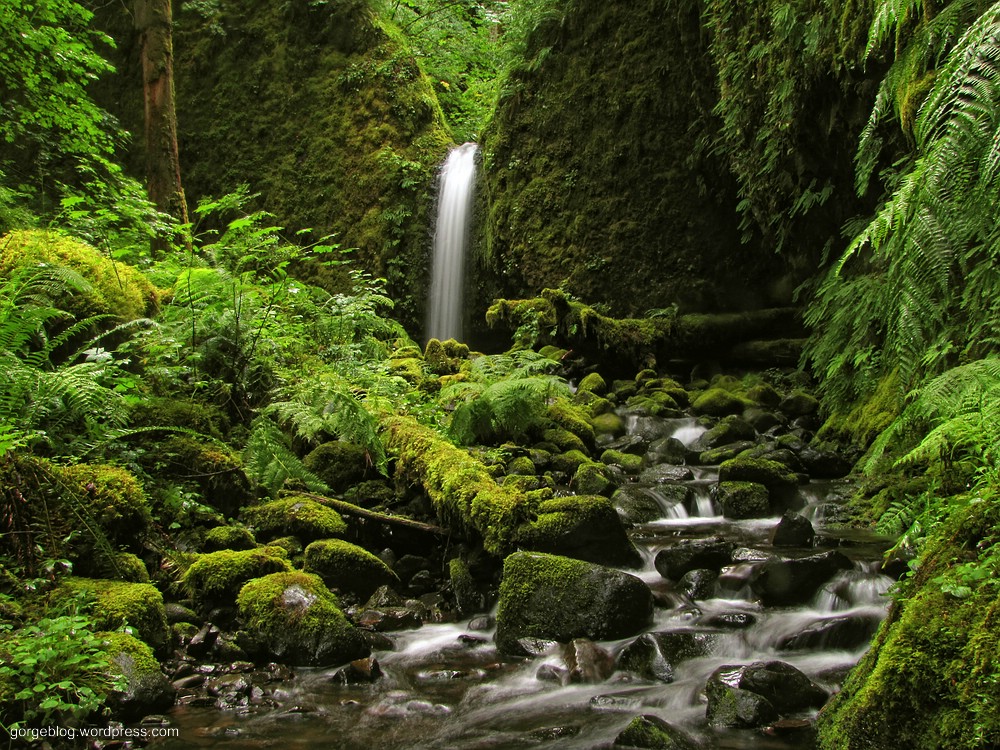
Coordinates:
(552, 598)
(339, 464)
(115, 604)
(292, 617)
(302, 517)
(146, 690)
(347, 567)
(930, 679)
(113, 288)
(215, 579)
(586, 527)
(465, 495)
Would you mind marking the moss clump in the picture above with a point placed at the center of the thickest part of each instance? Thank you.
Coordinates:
(113, 497)
(293, 617)
(217, 577)
(206, 418)
(744, 500)
(718, 402)
(593, 383)
(779, 480)
(347, 567)
(564, 440)
(930, 679)
(521, 465)
(586, 527)
(146, 690)
(609, 424)
(463, 491)
(592, 479)
(569, 461)
(130, 568)
(867, 419)
(116, 289)
(630, 463)
(339, 464)
(653, 733)
(763, 394)
(115, 604)
(297, 516)
(229, 537)
(572, 419)
(437, 359)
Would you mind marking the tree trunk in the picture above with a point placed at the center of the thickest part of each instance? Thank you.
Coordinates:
(154, 21)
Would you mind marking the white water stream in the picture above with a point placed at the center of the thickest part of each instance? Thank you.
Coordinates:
(451, 238)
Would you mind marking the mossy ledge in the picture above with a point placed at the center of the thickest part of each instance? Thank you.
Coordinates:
(625, 345)
(464, 493)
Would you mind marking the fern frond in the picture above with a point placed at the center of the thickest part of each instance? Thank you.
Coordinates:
(270, 461)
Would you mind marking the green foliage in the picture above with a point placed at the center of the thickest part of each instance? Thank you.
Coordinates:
(271, 462)
(55, 671)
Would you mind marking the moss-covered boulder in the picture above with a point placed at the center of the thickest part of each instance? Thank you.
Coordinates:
(743, 500)
(585, 527)
(718, 402)
(228, 537)
(781, 482)
(574, 420)
(592, 479)
(339, 464)
(297, 516)
(347, 567)
(569, 461)
(629, 462)
(653, 733)
(553, 598)
(114, 498)
(146, 689)
(292, 617)
(215, 579)
(593, 383)
(113, 288)
(608, 423)
(115, 604)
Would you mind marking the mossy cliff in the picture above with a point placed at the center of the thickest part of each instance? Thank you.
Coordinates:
(319, 107)
(594, 177)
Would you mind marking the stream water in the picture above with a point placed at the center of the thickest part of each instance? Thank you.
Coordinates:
(445, 686)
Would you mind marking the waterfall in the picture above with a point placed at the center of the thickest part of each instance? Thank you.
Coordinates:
(451, 234)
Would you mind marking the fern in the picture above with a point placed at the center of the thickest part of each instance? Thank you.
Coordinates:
(505, 410)
(268, 459)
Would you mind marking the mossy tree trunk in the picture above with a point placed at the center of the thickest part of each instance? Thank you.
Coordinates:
(154, 21)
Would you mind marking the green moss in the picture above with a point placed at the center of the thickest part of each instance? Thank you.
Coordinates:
(229, 537)
(347, 567)
(630, 463)
(764, 394)
(116, 289)
(437, 359)
(778, 479)
(592, 479)
(113, 497)
(339, 464)
(609, 424)
(564, 440)
(205, 418)
(411, 369)
(569, 461)
(295, 618)
(130, 568)
(718, 402)
(586, 527)
(521, 465)
(652, 733)
(213, 469)
(593, 383)
(115, 604)
(217, 577)
(463, 491)
(122, 646)
(744, 500)
(572, 419)
(294, 515)
(867, 419)
(930, 679)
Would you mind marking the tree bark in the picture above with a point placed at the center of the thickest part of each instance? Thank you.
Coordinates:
(154, 22)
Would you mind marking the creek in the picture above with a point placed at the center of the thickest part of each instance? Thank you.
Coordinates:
(444, 686)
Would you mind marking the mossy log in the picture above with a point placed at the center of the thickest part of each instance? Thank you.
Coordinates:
(631, 344)
(348, 509)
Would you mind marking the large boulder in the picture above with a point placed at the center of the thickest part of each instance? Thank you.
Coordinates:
(215, 579)
(653, 733)
(292, 617)
(551, 598)
(347, 567)
(781, 482)
(297, 516)
(712, 554)
(743, 499)
(781, 581)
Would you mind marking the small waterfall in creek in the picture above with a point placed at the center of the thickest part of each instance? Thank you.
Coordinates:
(451, 233)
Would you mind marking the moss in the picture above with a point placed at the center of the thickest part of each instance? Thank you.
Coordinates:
(130, 568)
(564, 440)
(229, 537)
(339, 464)
(744, 500)
(141, 657)
(213, 469)
(764, 394)
(437, 359)
(572, 419)
(411, 369)
(462, 490)
(347, 567)
(294, 515)
(592, 479)
(609, 424)
(652, 733)
(370, 494)
(779, 480)
(113, 497)
(217, 577)
(717, 402)
(867, 419)
(630, 463)
(117, 289)
(521, 465)
(569, 461)
(115, 604)
(586, 527)
(930, 679)
(294, 617)
(593, 383)
(205, 418)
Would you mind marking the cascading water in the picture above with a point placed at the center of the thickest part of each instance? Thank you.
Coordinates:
(451, 234)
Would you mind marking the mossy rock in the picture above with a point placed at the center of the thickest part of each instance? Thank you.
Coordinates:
(339, 464)
(229, 537)
(798, 403)
(572, 419)
(455, 349)
(215, 578)
(146, 690)
(521, 465)
(116, 289)
(569, 461)
(437, 359)
(371, 493)
(592, 479)
(586, 527)
(781, 483)
(629, 462)
(763, 394)
(593, 383)
(347, 567)
(129, 568)
(552, 598)
(650, 732)
(609, 423)
(718, 402)
(743, 500)
(159, 411)
(564, 440)
(213, 468)
(114, 498)
(297, 516)
(115, 604)
(292, 617)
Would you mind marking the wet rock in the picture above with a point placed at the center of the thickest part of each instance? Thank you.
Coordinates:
(388, 619)
(146, 688)
(666, 473)
(731, 620)
(635, 445)
(644, 656)
(802, 731)
(653, 733)
(547, 734)
(711, 553)
(781, 582)
(347, 567)
(782, 484)
(847, 632)
(743, 499)
(557, 598)
(636, 504)
(409, 565)
(629, 462)
(472, 641)
(681, 645)
(422, 582)
(482, 624)
(730, 430)
(667, 450)
(179, 613)
(552, 673)
(203, 641)
(377, 641)
(793, 530)
(716, 456)
(785, 687)
(731, 706)
(358, 672)
(761, 420)
(384, 597)
(587, 662)
(824, 464)
(698, 584)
